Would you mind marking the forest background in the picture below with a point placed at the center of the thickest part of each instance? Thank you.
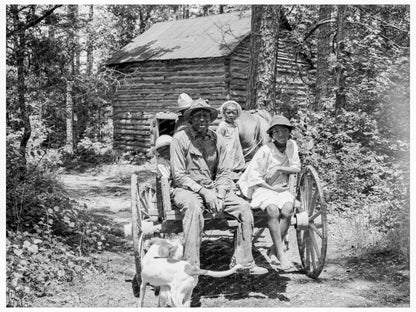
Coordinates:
(355, 128)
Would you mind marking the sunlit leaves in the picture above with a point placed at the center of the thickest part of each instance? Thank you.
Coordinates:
(36, 263)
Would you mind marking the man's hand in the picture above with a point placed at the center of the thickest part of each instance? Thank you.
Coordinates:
(211, 200)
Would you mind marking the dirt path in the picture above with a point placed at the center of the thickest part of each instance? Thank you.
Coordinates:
(347, 280)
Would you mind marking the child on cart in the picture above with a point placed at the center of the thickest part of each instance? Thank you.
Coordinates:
(162, 153)
(230, 111)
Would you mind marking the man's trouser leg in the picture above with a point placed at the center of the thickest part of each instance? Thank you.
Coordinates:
(240, 209)
(191, 206)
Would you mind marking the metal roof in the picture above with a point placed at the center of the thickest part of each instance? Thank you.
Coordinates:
(200, 37)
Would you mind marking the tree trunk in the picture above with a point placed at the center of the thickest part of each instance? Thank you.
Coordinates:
(324, 50)
(145, 13)
(185, 11)
(51, 25)
(71, 39)
(263, 57)
(205, 10)
(256, 15)
(21, 87)
(77, 51)
(74, 61)
(90, 43)
(340, 97)
(69, 146)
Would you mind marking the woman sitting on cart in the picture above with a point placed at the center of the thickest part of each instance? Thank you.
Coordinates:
(202, 180)
(265, 183)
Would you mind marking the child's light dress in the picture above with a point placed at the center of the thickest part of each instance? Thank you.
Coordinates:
(232, 139)
(261, 169)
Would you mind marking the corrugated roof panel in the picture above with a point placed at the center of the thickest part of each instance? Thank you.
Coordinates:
(202, 37)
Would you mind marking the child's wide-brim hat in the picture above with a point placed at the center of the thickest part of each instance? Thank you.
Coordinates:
(198, 105)
(280, 121)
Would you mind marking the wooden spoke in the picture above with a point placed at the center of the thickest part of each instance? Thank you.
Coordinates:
(141, 247)
(317, 214)
(147, 201)
(307, 258)
(307, 193)
(136, 219)
(145, 214)
(302, 197)
(312, 257)
(315, 245)
(312, 206)
(301, 243)
(306, 241)
(315, 229)
(303, 194)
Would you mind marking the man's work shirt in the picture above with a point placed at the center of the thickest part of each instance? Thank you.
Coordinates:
(198, 161)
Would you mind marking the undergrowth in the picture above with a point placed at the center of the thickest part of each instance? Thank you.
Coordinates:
(49, 237)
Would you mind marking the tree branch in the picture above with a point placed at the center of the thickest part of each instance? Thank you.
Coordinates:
(34, 22)
(316, 26)
(383, 22)
(381, 35)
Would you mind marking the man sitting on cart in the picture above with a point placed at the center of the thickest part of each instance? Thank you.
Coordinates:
(202, 180)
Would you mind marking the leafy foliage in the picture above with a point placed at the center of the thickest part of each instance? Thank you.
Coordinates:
(88, 154)
(49, 236)
(36, 262)
(362, 152)
(356, 174)
(37, 203)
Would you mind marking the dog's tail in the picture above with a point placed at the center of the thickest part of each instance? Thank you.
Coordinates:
(195, 271)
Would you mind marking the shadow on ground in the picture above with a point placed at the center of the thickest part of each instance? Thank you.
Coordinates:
(216, 255)
(374, 274)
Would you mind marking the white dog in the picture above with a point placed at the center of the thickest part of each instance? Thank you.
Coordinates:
(162, 266)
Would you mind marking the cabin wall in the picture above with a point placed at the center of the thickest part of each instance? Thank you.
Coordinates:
(292, 76)
(290, 89)
(150, 87)
(238, 77)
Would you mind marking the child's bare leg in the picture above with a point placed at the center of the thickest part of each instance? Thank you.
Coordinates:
(273, 215)
(285, 216)
(278, 223)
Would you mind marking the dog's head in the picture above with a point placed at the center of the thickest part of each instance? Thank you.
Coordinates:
(171, 248)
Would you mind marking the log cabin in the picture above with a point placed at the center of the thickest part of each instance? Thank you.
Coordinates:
(205, 57)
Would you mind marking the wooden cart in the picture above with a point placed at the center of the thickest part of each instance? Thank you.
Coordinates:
(153, 212)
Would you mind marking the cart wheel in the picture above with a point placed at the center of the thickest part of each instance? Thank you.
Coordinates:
(148, 205)
(137, 233)
(312, 239)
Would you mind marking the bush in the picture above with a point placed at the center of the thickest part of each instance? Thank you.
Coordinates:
(48, 234)
(89, 154)
(38, 204)
(37, 262)
(365, 174)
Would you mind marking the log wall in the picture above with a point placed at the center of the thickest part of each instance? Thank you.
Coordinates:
(154, 86)
(290, 88)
